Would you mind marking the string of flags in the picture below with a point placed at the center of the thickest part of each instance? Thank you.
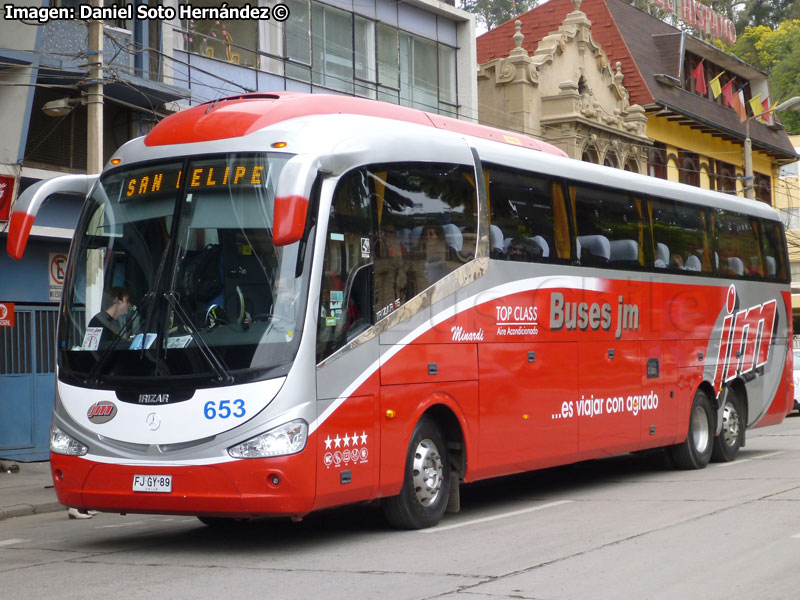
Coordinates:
(733, 98)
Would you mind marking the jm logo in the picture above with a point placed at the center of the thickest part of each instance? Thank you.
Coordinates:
(746, 339)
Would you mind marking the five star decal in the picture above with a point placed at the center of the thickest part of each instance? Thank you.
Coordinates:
(348, 449)
(346, 441)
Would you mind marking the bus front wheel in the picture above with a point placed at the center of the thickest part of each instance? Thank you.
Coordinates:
(426, 484)
(695, 451)
(731, 437)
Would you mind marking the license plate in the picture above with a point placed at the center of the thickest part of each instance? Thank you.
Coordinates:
(152, 483)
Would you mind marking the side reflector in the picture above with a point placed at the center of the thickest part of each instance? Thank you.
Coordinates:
(289, 222)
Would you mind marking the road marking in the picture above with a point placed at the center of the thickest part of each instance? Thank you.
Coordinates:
(739, 462)
(11, 542)
(796, 536)
(495, 517)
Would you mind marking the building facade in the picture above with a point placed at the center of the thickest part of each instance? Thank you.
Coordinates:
(611, 84)
(418, 53)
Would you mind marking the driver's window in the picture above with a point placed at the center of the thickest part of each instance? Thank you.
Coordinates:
(345, 293)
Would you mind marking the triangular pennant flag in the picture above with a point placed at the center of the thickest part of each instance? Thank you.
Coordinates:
(740, 106)
(715, 86)
(700, 79)
(755, 105)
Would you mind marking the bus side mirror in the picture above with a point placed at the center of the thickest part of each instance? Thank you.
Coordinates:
(31, 200)
(292, 195)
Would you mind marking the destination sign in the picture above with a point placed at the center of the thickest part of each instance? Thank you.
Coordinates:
(143, 183)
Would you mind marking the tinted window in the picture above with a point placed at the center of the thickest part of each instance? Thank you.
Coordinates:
(738, 250)
(773, 244)
(528, 217)
(680, 237)
(394, 230)
(610, 227)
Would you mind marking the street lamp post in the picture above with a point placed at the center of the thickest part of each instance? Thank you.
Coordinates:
(94, 96)
(749, 188)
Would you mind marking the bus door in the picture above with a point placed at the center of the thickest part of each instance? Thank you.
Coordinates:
(348, 440)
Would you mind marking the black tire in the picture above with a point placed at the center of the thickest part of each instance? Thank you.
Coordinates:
(731, 436)
(426, 483)
(695, 451)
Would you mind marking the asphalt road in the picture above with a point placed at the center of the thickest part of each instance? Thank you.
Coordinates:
(624, 527)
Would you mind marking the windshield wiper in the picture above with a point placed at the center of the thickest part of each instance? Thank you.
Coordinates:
(91, 378)
(208, 353)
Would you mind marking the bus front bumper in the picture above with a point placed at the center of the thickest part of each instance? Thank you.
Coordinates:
(243, 488)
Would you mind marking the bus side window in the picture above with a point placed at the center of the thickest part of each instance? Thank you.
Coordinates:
(424, 227)
(736, 244)
(679, 236)
(774, 258)
(527, 214)
(611, 228)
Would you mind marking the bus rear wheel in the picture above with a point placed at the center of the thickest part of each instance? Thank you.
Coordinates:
(426, 484)
(695, 451)
(731, 437)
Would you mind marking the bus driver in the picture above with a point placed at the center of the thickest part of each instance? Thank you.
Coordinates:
(109, 319)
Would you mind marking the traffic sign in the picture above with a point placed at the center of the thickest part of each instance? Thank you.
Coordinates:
(58, 270)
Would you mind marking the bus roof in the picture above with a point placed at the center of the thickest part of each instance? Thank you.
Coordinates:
(237, 116)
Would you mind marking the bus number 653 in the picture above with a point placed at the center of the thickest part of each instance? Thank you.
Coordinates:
(223, 410)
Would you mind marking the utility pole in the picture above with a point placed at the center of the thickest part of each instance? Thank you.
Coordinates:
(748, 181)
(94, 148)
(94, 97)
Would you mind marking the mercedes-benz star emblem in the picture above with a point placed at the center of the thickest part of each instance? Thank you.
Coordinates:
(153, 421)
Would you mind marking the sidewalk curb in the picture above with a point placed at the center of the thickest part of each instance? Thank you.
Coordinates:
(24, 510)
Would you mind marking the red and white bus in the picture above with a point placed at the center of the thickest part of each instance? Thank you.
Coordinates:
(278, 303)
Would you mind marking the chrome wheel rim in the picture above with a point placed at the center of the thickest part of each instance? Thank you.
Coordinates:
(427, 472)
(730, 424)
(700, 429)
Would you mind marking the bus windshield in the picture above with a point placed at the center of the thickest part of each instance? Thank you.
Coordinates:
(174, 275)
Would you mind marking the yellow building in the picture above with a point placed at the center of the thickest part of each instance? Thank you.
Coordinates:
(609, 83)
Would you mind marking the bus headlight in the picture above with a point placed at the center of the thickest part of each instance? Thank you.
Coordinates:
(61, 443)
(289, 438)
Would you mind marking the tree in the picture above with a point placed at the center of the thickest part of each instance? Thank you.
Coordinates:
(766, 12)
(492, 13)
(777, 52)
